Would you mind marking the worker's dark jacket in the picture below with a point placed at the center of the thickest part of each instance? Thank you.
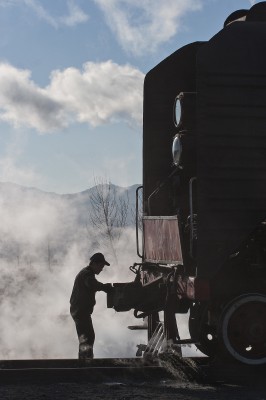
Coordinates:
(82, 299)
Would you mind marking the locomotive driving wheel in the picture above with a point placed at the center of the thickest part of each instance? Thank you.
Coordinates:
(243, 329)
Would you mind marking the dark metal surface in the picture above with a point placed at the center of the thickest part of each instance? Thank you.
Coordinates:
(175, 74)
(231, 169)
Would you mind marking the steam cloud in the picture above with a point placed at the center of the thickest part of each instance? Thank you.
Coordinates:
(44, 243)
(97, 94)
(45, 240)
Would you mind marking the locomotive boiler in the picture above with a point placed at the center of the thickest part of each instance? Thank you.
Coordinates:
(203, 241)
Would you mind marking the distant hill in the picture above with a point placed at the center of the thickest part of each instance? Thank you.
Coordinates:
(11, 193)
(14, 189)
(39, 225)
(81, 201)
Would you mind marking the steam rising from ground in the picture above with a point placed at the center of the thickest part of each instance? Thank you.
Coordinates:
(43, 245)
(45, 239)
(35, 320)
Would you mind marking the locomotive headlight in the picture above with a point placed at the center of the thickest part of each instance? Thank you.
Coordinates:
(177, 150)
(178, 109)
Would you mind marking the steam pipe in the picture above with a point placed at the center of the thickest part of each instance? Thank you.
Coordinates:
(191, 210)
(137, 221)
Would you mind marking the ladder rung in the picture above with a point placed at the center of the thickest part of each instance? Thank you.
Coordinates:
(137, 327)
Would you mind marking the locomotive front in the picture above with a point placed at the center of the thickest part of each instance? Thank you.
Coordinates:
(204, 193)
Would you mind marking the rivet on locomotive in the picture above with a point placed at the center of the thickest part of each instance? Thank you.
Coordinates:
(204, 193)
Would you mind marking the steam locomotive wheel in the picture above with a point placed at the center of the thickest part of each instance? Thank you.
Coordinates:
(243, 329)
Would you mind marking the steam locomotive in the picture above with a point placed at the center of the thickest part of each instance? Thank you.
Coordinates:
(203, 247)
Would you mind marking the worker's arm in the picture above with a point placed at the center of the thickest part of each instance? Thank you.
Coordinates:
(104, 287)
(95, 286)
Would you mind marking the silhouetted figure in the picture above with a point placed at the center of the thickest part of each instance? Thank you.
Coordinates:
(82, 302)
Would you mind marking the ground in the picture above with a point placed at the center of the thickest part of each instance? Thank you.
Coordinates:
(129, 391)
(169, 378)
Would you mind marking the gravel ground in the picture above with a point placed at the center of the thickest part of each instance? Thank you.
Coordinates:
(129, 391)
(185, 379)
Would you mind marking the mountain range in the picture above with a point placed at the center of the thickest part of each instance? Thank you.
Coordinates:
(36, 224)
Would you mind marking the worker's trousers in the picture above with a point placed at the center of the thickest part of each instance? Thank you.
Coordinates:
(86, 335)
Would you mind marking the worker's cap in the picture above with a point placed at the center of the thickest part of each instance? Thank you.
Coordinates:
(99, 257)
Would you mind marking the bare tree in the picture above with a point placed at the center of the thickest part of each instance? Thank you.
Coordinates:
(137, 215)
(109, 212)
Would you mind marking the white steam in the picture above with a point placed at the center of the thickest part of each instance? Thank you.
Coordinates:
(44, 242)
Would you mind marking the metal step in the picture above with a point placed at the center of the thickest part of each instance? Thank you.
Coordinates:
(137, 327)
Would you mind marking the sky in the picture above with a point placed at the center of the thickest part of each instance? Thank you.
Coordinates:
(71, 79)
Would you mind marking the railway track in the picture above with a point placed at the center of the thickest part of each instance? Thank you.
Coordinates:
(71, 370)
(131, 369)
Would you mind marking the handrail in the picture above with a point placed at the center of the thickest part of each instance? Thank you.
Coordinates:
(137, 221)
(159, 187)
(191, 211)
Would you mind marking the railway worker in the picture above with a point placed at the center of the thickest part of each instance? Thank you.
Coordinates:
(82, 302)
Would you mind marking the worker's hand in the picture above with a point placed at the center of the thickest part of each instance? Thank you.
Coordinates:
(108, 287)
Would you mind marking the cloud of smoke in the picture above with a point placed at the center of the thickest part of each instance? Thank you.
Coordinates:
(44, 243)
(45, 240)
(97, 94)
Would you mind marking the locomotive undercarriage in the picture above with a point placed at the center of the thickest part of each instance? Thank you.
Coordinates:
(226, 316)
(233, 322)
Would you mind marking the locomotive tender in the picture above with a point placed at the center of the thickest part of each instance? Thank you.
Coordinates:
(204, 193)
